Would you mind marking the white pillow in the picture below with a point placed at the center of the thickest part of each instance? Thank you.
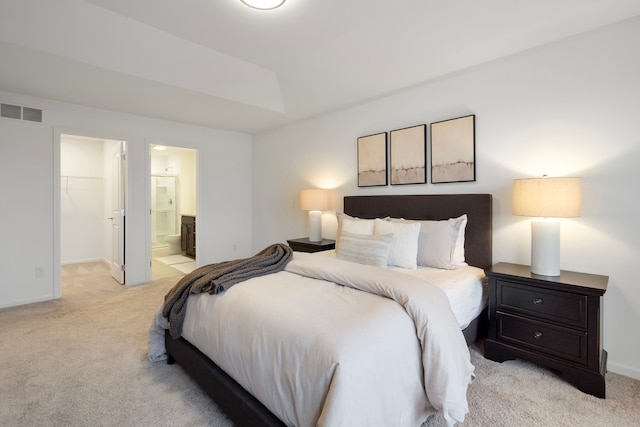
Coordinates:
(458, 252)
(363, 249)
(404, 249)
(358, 227)
(441, 243)
(341, 217)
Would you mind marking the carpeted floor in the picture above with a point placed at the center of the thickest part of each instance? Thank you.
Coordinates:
(82, 361)
(518, 393)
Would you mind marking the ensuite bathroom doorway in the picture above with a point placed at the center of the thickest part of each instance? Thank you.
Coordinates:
(173, 210)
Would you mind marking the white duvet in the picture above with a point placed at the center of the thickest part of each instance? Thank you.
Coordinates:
(465, 287)
(319, 354)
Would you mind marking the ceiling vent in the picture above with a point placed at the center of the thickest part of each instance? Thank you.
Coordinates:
(17, 112)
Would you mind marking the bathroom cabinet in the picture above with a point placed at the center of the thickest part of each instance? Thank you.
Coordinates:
(188, 235)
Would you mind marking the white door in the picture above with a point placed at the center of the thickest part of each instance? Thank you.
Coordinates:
(118, 214)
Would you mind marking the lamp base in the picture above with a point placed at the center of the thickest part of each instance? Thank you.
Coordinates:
(315, 226)
(545, 247)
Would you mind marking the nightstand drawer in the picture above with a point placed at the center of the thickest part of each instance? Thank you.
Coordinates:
(566, 343)
(561, 307)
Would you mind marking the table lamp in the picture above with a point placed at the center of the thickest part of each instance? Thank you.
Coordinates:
(549, 198)
(315, 201)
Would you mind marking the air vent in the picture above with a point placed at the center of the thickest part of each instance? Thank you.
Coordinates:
(17, 112)
(11, 111)
(32, 114)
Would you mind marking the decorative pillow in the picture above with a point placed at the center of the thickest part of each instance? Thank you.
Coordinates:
(341, 217)
(458, 253)
(369, 250)
(441, 243)
(404, 248)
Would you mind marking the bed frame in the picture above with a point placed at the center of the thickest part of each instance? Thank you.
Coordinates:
(244, 409)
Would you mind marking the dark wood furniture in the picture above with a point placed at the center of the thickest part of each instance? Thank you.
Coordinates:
(188, 235)
(246, 410)
(552, 321)
(305, 245)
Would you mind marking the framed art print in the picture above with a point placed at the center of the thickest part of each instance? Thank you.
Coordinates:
(372, 160)
(453, 150)
(409, 155)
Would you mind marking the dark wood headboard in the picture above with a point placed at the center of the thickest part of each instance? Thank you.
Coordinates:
(478, 207)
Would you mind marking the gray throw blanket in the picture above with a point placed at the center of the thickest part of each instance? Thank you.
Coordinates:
(216, 278)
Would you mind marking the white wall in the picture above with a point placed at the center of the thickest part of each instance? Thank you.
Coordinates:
(567, 109)
(30, 207)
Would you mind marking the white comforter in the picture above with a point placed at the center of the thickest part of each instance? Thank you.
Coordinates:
(465, 287)
(319, 354)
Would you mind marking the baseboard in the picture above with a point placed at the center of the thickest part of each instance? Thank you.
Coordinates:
(627, 371)
(15, 303)
(84, 261)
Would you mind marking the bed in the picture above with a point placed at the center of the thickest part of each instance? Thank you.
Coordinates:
(245, 409)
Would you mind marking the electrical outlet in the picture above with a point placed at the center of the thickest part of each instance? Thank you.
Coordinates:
(39, 271)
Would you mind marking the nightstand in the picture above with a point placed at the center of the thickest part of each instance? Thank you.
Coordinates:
(305, 245)
(552, 321)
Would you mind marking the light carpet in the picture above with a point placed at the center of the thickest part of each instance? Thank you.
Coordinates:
(82, 360)
(519, 393)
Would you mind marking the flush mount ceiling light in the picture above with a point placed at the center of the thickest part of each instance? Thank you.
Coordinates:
(263, 4)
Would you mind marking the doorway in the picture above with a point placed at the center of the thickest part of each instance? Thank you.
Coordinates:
(92, 204)
(173, 210)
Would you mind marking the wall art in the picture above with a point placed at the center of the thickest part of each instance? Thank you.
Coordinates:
(409, 155)
(453, 150)
(372, 160)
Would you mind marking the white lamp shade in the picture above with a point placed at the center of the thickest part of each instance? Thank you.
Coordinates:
(314, 200)
(547, 197)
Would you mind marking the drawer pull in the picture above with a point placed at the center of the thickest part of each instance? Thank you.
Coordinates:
(537, 335)
(537, 301)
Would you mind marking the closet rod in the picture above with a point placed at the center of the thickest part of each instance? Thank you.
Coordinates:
(66, 184)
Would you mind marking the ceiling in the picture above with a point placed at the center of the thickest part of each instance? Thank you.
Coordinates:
(221, 64)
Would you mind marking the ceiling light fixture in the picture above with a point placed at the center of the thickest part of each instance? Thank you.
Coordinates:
(263, 4)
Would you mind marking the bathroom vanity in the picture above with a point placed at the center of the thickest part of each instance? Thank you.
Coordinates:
(188, 235)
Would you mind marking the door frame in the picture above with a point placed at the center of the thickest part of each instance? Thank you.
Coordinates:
(57, 188)
(149, 142)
